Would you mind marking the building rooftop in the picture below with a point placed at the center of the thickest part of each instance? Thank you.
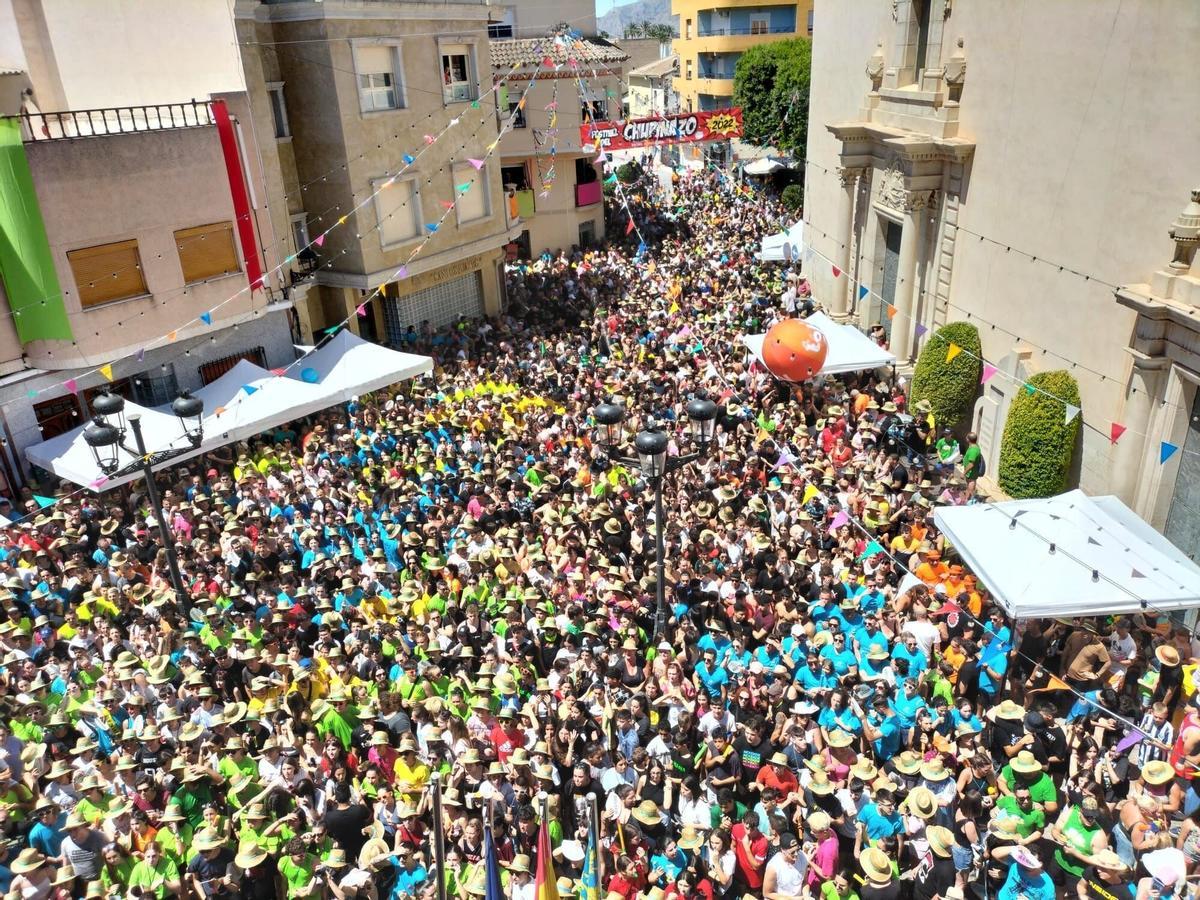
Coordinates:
(658, 68)
(531, 52)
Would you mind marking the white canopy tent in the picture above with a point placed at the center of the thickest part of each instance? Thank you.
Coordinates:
(1070, 555)
(849, 349)
(764, 166)
(343, 368)
(783, 247)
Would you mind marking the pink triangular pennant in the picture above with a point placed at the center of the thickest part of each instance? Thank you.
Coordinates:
(429, 139)
(319, 240)
(70, 385)
(988, 371)
(1116, 431)
(362, 309)
(837, 273)
(477, 163)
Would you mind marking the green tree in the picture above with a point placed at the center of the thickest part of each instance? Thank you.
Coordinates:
(770, 84)
(1039, 442)
(950, 387)
(660, 32)
(633, 30)
(792, 197)
(629, 172)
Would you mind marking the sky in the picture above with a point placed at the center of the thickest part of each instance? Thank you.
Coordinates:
(603, 6)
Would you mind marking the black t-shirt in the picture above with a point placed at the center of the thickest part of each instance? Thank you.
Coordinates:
(209, 871)
(1121, 889)
(933, 879)
(872, 891)
(753, 756)
(346, 826)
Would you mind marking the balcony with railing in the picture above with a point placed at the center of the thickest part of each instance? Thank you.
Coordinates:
(84, 123)
(589, 193)
(749, 30)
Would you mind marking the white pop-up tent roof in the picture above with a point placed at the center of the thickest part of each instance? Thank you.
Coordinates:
(849, 349)
(783, 247)
(1105, 560)
(344, 367)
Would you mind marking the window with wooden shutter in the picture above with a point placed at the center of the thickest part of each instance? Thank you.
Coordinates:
(107, 272)
(207, 251)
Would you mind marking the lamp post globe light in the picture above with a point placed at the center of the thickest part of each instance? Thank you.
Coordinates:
(650, 445)
(106, 434)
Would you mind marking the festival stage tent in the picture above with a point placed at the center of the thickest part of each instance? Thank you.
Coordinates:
(849, 349)
(346, 366)
(1070, 555)
(785, 246)
(764, 166)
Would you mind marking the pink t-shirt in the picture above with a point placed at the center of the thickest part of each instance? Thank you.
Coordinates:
(824, 860)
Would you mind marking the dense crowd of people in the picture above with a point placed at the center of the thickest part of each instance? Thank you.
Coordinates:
(452, 581)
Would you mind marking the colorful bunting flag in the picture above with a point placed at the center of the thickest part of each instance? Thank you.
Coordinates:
(1072, 412)
(171, 335)
(70, 385)
(892, 310)
(1030, 389)
(362, 307)
(249, 389)
(106, 371)
(319, 240)
(409, 159)
(31, 394)
(141, 354)
(431, 227)
(429, 139)
(837, 273)
(1166, 451)
(611, 179)
(332, 329)
(474, 104)
(952, 351)
(463, 188)
(98, 482)
(1116, 431)
(872, 549)
(988, 371)
(206, 318)
(838, 521)
(629, 227)
(447, 204)
(863, 290)
(43, 502)
(402, 272)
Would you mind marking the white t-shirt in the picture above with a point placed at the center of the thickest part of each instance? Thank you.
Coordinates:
(789, 877)
(925, 632)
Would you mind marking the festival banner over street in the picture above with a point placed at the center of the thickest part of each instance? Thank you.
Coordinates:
(685, 128)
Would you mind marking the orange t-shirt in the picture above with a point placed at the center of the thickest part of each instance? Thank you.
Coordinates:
(931, 573)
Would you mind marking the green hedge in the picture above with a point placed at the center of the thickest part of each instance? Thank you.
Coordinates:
(1038, 443)
(629, 172)
(792, 198)
(950, 387)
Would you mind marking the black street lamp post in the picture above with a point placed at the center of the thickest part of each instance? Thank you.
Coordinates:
(650, 445)
(106, 434)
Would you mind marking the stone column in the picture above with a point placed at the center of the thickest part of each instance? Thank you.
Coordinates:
(840, 301)
(1146, 382)
(903, 325)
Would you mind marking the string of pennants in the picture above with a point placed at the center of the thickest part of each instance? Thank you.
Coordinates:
(989, 371)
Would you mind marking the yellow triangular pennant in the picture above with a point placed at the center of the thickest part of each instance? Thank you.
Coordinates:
(952, 351)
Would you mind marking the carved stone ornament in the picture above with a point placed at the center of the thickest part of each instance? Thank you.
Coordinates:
(956, 66)
(848, 176)
(891, 186)
(915, 200)
(875, 67)
(895, 10)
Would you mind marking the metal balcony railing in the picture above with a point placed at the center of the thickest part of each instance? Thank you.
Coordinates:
(738, 32)
(81, 123)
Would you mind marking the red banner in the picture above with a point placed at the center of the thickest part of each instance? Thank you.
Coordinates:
(237, 191)
(685, 128)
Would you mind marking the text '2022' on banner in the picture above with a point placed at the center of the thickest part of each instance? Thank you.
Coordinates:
(685, 128)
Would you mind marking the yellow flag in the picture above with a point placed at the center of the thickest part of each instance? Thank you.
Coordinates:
(952, 351)
(106, 371)
(674, 308)
(809, 492)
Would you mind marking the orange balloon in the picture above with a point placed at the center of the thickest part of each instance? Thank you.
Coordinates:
(793, 350)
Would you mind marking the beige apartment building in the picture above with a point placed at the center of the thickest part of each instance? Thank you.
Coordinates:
(130, 214)
(550, 87)
(1024, 168)
(343, 91)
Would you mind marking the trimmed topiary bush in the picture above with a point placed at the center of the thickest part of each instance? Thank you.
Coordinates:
(792, 198)
(629, 172)
(950, 387)
(1038, 442)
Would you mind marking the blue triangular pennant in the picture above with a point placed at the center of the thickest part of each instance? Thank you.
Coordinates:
(43, 502)
(432, 227)
(409, 159)
(863, 290)
(206, 318)
(1166, 451)
(249, 389)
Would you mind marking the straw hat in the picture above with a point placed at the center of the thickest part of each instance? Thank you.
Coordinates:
(922, 803)
(207, 840)
(840, 738)
(1025, 763)
(934, 770)
(690, 838)
(520, 863)
(1108, 859)
(875, 865)
(648, 813)
(940, 839)
(1167, 655)
(1013, 712)
(908, 763)
(249, 855)
(1157, 772)
(27, 860)
(63, 875)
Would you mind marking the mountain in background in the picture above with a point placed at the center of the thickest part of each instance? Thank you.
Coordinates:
(657, 12)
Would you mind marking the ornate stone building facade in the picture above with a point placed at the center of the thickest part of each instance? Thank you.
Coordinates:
(1017, 165)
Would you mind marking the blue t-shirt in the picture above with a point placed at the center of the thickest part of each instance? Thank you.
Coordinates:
(713, 680)
(841, 661)
(879, 826)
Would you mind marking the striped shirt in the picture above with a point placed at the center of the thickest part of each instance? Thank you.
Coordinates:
(1164, 733)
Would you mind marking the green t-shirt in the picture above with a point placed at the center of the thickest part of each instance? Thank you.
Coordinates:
(1031, 821)
(972, 461)
(297, 876)
(1042, 790)
(154, 879)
